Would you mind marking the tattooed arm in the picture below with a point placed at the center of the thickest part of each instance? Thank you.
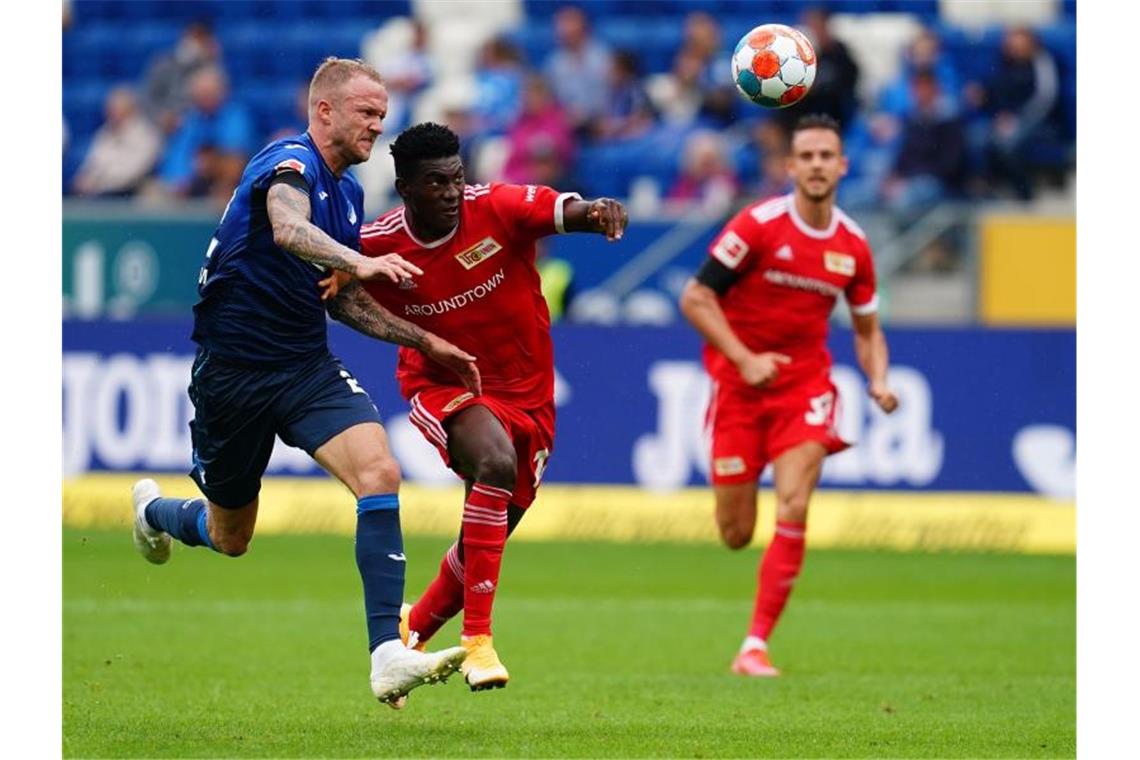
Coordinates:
(289, 215)
(360, 311)
(355, 308)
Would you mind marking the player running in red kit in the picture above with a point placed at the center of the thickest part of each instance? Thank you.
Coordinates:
(761, 301)
(476, 247)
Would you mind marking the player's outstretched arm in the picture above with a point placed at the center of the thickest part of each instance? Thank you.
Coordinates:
(604, 215)
(289, 214)
(360, 311)
(874, 358)
(700, 305)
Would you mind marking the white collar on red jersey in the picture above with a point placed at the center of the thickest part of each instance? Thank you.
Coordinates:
(806, 228)
(420, 243)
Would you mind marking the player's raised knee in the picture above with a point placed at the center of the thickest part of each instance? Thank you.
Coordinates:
(232, 544)
(381, 475)
(497, 468)
(793, 508)
(735, 536)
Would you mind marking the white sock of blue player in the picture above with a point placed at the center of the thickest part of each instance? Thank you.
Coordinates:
(183, 519)
(380, 559)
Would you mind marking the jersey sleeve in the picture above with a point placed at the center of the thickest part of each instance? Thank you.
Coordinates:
(530, 211)
(862, 292)
(739, 245)
(288, 158)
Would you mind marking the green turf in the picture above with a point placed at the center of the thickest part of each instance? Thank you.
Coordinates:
(614, 650)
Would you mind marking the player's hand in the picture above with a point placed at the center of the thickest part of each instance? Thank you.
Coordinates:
(332, 284)
(391, 265)
(883, 396)
(610, 216)
(760, 369)
(455, 359)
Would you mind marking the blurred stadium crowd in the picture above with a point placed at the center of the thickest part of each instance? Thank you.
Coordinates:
(629, 98)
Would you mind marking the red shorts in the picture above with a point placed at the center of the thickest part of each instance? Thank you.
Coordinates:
(750, 428)
(531, 430)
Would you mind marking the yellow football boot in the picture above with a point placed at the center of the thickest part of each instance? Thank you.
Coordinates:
(482, 668)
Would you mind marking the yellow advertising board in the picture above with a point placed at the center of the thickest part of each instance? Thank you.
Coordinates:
(1027, 270)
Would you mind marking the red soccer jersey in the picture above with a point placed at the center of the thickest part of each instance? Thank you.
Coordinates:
(480, 290)
(790, 276)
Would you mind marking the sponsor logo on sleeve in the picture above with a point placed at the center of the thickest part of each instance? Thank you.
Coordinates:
(478, 253)
(530, 192)
(290, 165)
(839, 263)
(730, 249)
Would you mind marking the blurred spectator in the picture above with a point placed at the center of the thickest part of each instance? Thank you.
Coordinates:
(628, 111)
(458, 116)
(836, 75)
(165, 92)
(205, 156)
(498, 87)
(871, 144)
(578, 68)
(541, 141)
(406, 75)
(123, 152)
(773, 176)
(678, 94)
(300, 117)
(770, 147)
(932, 156)
(707, 179)
(702, 37)
(1022, 97)
(923, 54)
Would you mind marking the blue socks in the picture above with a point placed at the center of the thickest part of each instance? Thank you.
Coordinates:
(184, 519)
(380, 559)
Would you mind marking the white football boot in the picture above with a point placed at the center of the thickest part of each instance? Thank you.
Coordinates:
(153, 544)
(396, 670)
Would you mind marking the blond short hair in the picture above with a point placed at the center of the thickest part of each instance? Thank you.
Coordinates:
(334, 72)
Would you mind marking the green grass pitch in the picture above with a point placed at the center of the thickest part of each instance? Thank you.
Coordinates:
(614, 651)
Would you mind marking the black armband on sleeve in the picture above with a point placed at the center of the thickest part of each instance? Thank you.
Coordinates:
(290, 178)
(717, 276)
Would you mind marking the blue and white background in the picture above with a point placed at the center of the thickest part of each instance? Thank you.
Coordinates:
(981, 410)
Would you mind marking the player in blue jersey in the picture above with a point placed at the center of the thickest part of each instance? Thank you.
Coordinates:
(263, 368)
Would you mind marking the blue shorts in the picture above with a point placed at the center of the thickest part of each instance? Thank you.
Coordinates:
(239, 410)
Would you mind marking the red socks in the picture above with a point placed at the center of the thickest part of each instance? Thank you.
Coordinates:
(778, 570)
(442, 600)
(484, 534)
(470, 585)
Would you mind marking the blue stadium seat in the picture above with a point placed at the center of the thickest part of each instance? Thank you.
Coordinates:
(83, 105)
(89, 11)
(535, 40)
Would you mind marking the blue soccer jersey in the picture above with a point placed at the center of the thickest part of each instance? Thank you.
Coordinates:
(258, 304)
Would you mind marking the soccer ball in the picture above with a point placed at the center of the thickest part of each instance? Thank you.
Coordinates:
(774, 65)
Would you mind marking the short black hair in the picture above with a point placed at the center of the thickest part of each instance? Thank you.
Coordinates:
(818, 121)
(422, 142)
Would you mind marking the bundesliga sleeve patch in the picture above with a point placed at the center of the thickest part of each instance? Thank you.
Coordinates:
(290, 165)
(730, 249)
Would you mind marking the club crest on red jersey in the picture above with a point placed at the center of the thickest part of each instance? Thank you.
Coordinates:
(478, 253)
(839, 263)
